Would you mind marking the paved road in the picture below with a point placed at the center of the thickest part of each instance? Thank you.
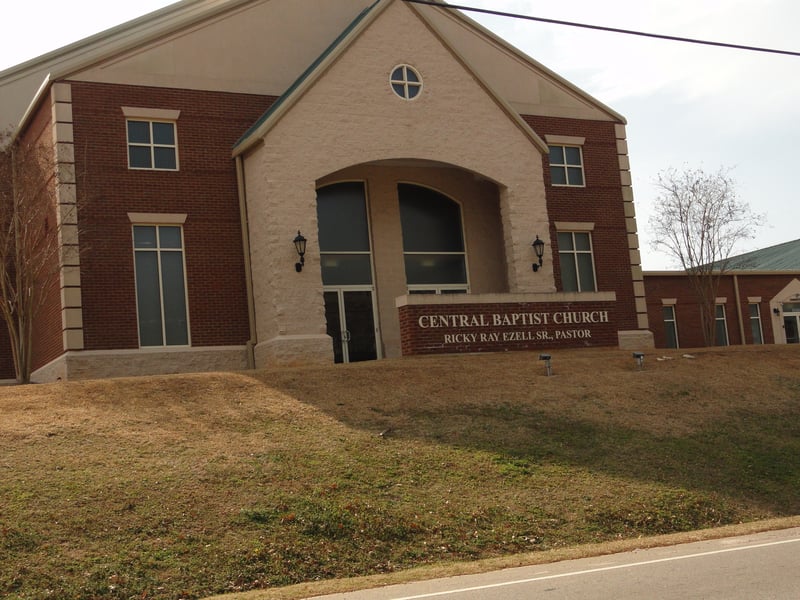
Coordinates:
(763, 566)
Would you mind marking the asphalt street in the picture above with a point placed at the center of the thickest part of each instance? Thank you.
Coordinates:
(764, 566)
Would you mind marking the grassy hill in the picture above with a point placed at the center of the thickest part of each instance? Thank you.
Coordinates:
(187, 486)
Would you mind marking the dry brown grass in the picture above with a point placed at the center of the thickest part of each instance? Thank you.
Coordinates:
(184, 486)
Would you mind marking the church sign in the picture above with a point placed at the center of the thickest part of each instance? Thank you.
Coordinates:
(496, 326)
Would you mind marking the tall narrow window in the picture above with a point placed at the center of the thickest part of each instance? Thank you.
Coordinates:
(344, 234)
(152, 145)
(670, 326)
(577, 262)
(160, 285)
(755, 323)
(566, 165)
(433, 241)
(721, 326)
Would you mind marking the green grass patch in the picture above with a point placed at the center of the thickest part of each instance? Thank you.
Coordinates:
(188, 486)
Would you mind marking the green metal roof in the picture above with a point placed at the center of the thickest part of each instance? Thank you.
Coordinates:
(783, 257)
(306, 74)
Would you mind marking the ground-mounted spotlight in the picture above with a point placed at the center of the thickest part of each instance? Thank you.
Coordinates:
(548, 367)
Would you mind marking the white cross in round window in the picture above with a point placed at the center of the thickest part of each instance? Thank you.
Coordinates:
(406, 82)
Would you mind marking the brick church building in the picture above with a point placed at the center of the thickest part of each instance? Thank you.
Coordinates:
(271, 182)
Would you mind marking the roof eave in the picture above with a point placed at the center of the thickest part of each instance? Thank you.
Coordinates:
(535, 64)
(307, 80)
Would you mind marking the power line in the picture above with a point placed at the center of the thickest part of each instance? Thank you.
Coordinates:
(601, 28)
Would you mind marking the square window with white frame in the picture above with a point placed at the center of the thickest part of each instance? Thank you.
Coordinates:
(566, 166)
(577, 261)
(152, 145)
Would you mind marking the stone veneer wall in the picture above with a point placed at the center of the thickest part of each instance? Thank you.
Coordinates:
(350, 116)
(126, 363)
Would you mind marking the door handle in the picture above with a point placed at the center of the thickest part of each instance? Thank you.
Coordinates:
(346, 335)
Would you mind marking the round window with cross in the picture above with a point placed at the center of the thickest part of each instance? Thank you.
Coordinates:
(406, 82)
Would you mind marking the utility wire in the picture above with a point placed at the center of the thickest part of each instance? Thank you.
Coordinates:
(601, 28)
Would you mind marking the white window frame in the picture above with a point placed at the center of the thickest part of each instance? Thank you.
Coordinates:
(151, 115)
(152, 145)
(724, 320)
(756, 320)
(439, 288)
(566, 141)
(574, 254)
(673, 321)
(166, 221)
(404, 81)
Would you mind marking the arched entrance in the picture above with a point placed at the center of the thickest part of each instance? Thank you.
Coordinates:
(389, 230)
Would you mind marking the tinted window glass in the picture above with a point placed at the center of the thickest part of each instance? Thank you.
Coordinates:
(164, 133)
(170, 237)
(139, 157)
(175, 324)
(144, 236)
(573, 155)
(164, 158)
(342, 218)
(574, 176)
(565, 241)
(431, 222)
(346, 269)
(148, 297)
(435, 269)
(139, 132)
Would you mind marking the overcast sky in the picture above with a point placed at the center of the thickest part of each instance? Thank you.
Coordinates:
(686, 105)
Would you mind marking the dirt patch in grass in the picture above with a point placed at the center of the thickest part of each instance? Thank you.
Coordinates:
(187, 486)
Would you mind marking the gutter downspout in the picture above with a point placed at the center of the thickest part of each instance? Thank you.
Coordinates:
(248, 272)
(739, 308)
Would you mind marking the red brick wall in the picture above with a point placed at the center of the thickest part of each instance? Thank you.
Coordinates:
(476, 329)
(599, 202)
(204, 188)
(687, 311)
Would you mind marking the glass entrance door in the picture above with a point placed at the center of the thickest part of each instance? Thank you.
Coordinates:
(351, 324)
(346, 260)
(791, 322)
(791, 328)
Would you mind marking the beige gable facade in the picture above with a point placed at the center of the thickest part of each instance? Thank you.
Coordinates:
(350, 116)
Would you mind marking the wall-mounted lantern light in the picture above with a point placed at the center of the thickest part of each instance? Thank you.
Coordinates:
(776, 310)
(538, 248)
(300, 246)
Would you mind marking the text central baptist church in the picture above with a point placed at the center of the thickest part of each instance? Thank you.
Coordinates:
(274, 182)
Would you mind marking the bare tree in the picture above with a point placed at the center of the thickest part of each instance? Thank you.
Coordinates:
(699, 219)
(29, 241)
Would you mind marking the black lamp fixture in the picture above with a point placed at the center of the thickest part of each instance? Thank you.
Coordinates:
(538, 248)
(300, 246)
(776, 310)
